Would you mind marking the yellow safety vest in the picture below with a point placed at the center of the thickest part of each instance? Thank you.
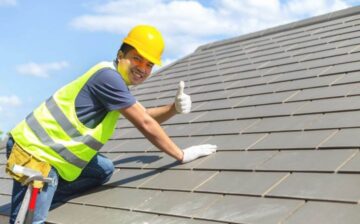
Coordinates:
(53, 132)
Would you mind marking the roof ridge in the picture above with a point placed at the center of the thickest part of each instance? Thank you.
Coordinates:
(281, 28)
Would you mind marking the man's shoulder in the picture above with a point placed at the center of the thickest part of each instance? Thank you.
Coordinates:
(107, 77)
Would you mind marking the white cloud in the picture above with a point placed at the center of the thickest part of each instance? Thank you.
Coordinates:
(8, 2)
(40, 70)
(313, 8)
(188, 24)
(9, 101)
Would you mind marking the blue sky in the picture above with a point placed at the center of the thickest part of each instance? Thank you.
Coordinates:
(46, 44)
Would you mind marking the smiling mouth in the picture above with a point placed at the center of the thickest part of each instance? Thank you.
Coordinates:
(138, 74)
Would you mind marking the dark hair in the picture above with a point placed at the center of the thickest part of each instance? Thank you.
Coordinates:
(124, 48)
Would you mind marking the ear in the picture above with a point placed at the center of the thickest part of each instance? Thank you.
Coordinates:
(120, 55)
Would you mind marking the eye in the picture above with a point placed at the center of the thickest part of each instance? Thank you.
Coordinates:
(150, 65)
(137, 58)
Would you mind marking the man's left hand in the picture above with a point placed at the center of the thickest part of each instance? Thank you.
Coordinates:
(182, 100)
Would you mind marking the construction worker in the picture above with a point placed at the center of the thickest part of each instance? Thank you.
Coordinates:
(67, 130)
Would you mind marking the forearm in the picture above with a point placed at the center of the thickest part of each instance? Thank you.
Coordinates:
(152, 130)
(162, 114)
(156, 135)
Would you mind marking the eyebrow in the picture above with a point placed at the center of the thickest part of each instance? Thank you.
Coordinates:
(142, 58)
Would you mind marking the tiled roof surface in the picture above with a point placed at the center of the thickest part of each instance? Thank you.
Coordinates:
(283, 106)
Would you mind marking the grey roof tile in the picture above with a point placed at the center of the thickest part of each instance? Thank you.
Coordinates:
(215, 128)
(128, 198)
(5, 205)
(98, 215)
(293, 140)
(111, 145)
(261, 111)
(137, 160)
(344, 138)
(206, 80)
(209, 96)
(111, 155)
(263, 99)
(307, 160)
(322, 81)
(175, 220)
(239, 160)
(316, 186)
(219, 104)
(353, 77)
(252, 90)
(3, 158)
(183, 130)
(287, 123)
(240, 209)
(323, 93)
(6, 186)
(218, 86)
(329, 213)
(131, 145)
(178, 180)
(287, 68)
(301, 74)
(326, 53)
(336, 120)
(131, 177)
(231, 74)
(178, 203)
(353, 165)
(342, 68)
(3, 174)
(249, 82)
(216, 115)
(235, 142)
(331, 105)
(185, 118)
(255, 184)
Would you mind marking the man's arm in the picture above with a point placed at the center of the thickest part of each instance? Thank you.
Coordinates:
(163, 113)
(156, 135)
(151, 130)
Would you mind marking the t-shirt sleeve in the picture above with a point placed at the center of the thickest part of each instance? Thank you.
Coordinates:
(110, 89)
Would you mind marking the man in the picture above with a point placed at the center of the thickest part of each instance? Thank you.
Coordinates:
(61, 138)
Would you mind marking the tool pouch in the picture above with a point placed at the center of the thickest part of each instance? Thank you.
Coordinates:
(20, 157)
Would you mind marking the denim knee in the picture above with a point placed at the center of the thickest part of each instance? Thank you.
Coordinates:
(108, 168)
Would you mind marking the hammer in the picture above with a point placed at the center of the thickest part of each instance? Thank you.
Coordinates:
(26, 212)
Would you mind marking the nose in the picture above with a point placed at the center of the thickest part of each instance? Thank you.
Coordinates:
(143, 67)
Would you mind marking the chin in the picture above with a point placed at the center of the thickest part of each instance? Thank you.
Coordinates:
(136, 82)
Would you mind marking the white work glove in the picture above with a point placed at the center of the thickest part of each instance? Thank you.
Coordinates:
(197, 151)
(182, 100)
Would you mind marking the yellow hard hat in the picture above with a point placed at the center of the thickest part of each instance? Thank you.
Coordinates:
(148, 41)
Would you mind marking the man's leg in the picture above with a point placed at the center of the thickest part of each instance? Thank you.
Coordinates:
(44, 198)
(97, 172)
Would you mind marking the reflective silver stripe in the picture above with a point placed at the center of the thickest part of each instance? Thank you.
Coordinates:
(64, 122)
(46, 140)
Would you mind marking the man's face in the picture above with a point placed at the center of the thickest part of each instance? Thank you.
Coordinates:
(139, 67)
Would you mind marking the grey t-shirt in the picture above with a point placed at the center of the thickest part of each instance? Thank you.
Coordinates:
(104, 91)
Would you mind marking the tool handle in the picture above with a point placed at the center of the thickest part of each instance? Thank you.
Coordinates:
(20, 219)
(31, 210)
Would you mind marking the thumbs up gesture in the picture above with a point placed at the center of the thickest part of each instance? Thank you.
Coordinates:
(182, 100)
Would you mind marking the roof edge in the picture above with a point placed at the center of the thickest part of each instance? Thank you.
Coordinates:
(306, 22)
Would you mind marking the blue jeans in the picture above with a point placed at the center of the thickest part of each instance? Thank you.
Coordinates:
(97, 172)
